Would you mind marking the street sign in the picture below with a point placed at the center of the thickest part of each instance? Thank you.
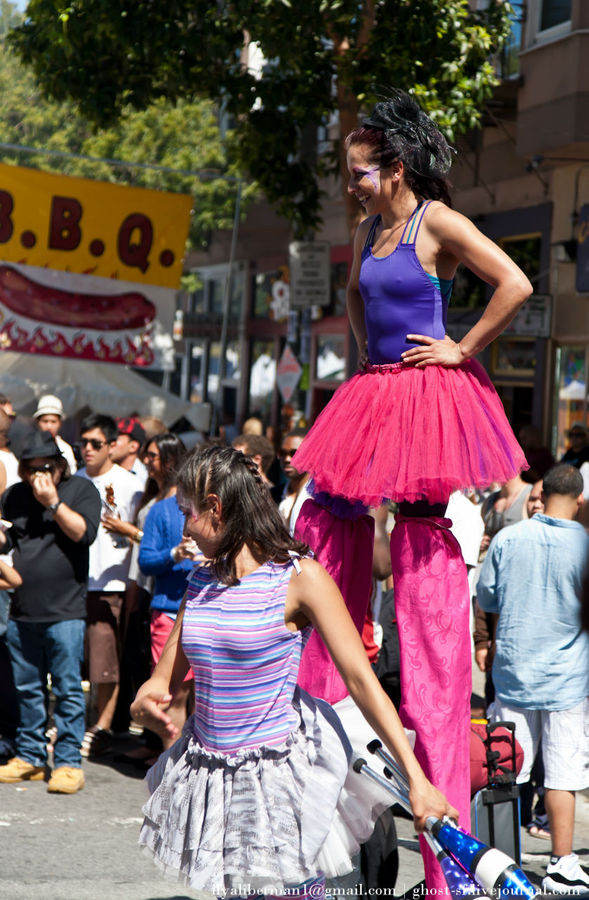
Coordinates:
(534, 318)
(310, 274)
(288, 373)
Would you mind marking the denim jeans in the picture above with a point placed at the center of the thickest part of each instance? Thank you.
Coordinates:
(37, 648)
(4, 608)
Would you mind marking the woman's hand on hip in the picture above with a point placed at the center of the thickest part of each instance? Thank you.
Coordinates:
(433, 352)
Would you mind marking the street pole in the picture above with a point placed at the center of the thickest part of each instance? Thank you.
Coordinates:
(218, 405)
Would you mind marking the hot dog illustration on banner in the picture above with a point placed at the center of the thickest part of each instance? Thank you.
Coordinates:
(40, 318)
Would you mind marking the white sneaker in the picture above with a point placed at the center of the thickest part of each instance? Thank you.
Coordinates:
(566, 876)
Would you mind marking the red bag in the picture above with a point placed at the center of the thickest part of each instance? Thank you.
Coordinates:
(495, 755)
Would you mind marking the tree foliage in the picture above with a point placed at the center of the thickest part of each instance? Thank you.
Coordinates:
(325, 60)
(182, 136)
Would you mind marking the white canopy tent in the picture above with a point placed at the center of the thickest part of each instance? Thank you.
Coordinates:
(103, 387)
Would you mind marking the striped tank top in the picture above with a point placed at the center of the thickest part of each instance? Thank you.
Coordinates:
(244, 658)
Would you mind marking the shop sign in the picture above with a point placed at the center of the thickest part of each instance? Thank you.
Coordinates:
(288, 373)
(92, 227)
(310, 274)
(88, 269)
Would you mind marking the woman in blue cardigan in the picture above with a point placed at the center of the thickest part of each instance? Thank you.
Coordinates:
(167, 555)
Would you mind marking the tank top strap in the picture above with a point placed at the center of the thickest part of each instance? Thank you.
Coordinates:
(413, 225)
(370, 236)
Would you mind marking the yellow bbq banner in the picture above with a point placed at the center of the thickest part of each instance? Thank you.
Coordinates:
(92, 227)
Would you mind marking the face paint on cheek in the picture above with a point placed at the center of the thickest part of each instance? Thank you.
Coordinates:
(370, 175)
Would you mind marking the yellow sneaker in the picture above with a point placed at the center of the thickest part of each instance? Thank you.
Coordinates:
(17, 769)
(66, 780)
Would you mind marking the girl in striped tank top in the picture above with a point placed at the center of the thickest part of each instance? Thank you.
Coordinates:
(250, 797)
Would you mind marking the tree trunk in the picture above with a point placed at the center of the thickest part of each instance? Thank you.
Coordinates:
(348, 112)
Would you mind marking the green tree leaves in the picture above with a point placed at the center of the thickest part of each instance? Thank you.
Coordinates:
(325, 60)
(180, 136)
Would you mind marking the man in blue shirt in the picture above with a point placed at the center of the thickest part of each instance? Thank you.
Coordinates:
(532, 577)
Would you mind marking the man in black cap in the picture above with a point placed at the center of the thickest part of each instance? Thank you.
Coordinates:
(54, 520)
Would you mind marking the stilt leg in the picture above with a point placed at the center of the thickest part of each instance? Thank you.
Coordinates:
(432, 609)
(344, 548)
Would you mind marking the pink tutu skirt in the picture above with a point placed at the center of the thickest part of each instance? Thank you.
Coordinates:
(395, 432)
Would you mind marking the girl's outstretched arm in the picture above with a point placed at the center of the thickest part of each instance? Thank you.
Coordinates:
(314, 594)
(155, 695)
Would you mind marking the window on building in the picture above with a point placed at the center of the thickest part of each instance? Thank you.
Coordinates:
(272, 294)
(468, 291)
(508, 61)
(524, 250)
(554, 12)
(262, 379)
(330, 362)
(547, 20)
(197, 371)
(570, 394)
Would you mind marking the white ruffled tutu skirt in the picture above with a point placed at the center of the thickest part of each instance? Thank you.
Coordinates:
(265, 819)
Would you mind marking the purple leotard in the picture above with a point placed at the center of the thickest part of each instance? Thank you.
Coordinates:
(400, 298)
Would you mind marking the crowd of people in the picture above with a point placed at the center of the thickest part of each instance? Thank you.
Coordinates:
(256, 682)
(101, 527)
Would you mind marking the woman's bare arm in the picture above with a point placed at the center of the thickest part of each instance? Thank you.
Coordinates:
(457, 236)
(354, 302)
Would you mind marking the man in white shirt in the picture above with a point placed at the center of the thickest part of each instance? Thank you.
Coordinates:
(295, 492)
(110, 555)
(8, 461)
(126, 450)
(49, 416)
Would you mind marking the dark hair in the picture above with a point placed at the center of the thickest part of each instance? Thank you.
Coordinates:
(399, 129)
(249, 514)
(106, 424)
(564, 480)
(296, 432)
(256, 445)
(172, 452)
(5, 422)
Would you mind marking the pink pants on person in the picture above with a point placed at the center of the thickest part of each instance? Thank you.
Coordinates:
(432, 600)
(160, 627)
(344, 547)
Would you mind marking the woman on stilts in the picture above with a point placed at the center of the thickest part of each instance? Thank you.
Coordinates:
(420, 420)
(255, 797)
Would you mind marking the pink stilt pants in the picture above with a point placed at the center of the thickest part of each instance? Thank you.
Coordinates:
(344, 548)
(432, 606)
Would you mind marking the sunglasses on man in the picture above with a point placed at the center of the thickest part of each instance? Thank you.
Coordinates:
(46, 468)
(94, 443)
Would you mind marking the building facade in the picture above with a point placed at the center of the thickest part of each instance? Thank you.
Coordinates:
(523, 179)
